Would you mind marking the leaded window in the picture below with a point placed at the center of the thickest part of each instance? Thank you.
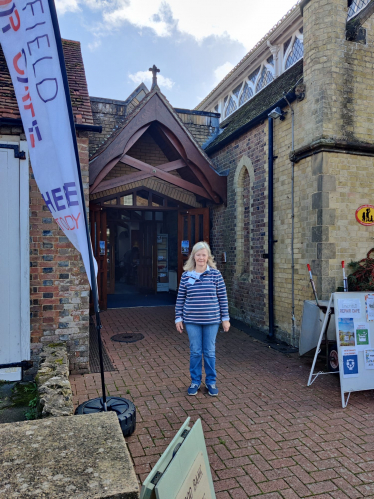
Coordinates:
(286, 44)
(265, 78)
(252, 77)
(236, 90)
(354, 6)
(246, 94)
(296, 53)
(231, 107)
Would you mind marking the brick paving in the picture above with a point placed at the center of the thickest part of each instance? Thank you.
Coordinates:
(268, 435)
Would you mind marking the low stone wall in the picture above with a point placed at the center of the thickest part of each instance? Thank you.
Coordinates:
(52, 379)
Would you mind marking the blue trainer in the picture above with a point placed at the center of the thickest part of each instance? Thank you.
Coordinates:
(193, 389)
(212, 389)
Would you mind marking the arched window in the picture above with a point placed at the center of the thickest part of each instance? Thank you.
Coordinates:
(246, 222)
(296, 53)
(243, 184)
(231, 107)
(246, 94)
(265, 78)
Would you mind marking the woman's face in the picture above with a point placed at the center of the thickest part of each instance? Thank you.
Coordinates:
(201, 257)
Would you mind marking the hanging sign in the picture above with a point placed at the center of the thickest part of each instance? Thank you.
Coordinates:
(365, 214)
(31, 47)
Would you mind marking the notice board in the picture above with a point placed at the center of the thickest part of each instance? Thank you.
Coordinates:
(354, 322)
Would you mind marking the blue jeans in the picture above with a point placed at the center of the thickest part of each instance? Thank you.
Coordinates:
(202, 343)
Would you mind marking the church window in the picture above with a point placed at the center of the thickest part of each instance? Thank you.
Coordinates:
(287, 44)
(246, 222)
(231, 107)
(354, 6)
(265, 78)
(236, 90)
(252, 77)
(246, 94)
(296, 53)
(270, 60)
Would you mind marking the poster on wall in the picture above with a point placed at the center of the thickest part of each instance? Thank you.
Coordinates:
(346, 333)
(369, 302)
(362, 335)
(350, 363)
(349, 308)
(369, 359)
(185, 247)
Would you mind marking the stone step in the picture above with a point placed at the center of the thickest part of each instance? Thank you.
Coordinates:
(82, 457)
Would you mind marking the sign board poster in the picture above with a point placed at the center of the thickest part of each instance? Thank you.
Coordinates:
(183, 470)
(185, 247)
(355, 340)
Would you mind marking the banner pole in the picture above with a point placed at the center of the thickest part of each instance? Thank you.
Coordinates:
(95, 296)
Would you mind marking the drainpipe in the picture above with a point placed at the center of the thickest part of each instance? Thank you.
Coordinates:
(293, 225)
(270, 232)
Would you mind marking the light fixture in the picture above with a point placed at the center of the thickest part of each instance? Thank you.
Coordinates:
(277, 113)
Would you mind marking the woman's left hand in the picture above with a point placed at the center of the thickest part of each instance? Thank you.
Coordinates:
(226, 325)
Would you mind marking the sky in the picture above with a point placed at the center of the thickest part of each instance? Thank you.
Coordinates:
(195, 43)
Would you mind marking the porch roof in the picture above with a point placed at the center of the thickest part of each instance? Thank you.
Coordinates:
(195, 171)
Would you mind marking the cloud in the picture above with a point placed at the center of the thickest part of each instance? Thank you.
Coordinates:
(64, 6)
(221, 71)
(146, 77)
(243, 21)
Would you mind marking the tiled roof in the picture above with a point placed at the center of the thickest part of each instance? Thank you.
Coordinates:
(263, 39)
(262, 101)
(77, 84)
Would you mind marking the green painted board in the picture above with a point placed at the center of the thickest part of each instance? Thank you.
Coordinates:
(148, 488)
(188, 470)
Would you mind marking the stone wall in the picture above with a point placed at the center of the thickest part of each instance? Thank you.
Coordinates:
(54, 390)
(239, 229)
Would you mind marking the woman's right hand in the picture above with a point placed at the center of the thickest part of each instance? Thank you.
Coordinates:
(179, 326)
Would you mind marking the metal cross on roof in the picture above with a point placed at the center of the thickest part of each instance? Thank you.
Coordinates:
(154, 70)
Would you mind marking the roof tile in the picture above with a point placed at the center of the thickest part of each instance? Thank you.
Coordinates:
(77, 84)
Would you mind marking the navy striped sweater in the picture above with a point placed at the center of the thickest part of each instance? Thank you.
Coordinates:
(202, 299)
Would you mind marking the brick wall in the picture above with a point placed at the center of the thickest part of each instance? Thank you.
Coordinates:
(239, 228)
(59, 289)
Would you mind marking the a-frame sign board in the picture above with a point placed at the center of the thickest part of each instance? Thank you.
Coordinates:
(354, 324)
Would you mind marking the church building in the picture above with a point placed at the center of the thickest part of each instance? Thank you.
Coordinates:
(270, 169)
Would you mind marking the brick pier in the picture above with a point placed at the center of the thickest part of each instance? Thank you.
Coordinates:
(267, 434)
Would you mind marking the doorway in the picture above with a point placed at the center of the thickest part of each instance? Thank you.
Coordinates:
(141, 257)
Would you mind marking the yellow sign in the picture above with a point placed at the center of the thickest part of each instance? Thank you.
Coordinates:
(365, 214)
(196, 484)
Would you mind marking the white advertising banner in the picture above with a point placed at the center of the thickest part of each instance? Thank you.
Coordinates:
(29, 43)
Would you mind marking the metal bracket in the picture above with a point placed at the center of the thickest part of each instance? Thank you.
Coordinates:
(156, 478)
(17, 153)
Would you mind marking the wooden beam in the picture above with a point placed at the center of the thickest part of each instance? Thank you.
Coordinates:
(151, 171)
(110, 165)
(134, 177)
(172, 179)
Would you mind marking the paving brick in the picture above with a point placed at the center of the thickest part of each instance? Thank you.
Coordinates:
(252, 446)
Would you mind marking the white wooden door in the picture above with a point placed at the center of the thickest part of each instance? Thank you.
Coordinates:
(14, 262)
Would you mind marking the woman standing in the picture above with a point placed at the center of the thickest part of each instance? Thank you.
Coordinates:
(202, 306)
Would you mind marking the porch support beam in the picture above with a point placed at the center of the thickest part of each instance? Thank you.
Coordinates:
(134, 177)
(151, 171)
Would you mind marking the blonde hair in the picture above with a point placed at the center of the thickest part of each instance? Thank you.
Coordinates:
(190, 264)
